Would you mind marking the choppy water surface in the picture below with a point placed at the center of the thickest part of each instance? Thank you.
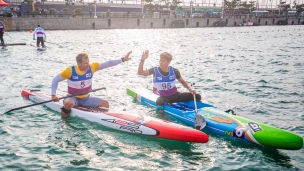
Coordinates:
(256, 70)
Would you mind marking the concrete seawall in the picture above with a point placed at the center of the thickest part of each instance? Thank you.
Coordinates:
(81, 23)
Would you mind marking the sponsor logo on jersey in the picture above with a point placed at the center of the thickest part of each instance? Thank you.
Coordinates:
(88, 75)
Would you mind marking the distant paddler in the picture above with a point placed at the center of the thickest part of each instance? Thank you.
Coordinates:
(40, 34)
(2, 30)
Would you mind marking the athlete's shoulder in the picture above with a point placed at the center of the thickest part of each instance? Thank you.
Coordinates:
(177, 73)
(175, 69)
(94, 66)
(67, 73)
(151, 71)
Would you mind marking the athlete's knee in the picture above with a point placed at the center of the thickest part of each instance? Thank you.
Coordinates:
(68, 103)
(198, 97)
(160, 101)
(104, 103)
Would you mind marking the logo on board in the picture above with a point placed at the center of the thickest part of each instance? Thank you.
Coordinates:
(254, 127)
(239, 132)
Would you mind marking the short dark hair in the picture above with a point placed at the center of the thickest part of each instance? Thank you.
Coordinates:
(38, 25)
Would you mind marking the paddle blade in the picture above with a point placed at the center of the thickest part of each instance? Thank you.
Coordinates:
(200, 122)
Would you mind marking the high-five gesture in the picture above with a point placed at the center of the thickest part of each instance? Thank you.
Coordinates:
(144, 55)
(127, 57)
(141, 70)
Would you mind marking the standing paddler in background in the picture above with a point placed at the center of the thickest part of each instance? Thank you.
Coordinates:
(2, 30)
(164, 78)
(41, 36)
(79, 78)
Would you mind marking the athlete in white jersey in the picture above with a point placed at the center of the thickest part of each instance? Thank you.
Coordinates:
(41, 36)
(164, 78)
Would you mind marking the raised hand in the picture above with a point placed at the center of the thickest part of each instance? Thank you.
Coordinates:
(127, 57)
(145, 55)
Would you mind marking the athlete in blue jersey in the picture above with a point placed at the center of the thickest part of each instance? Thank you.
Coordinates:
(79, 78)
(164, 78)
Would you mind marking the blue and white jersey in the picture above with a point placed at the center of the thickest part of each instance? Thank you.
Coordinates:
(80, 83)
(164, 85)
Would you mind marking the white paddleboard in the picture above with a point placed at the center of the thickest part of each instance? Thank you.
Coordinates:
(39, 48)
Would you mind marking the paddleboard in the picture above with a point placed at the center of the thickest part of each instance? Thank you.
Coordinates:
(124, 121)
(39, 48)
(223, 123)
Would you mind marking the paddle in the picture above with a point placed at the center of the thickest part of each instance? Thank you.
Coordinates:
(7, 35)
(52, 100)
(200, 121)
(52, 43)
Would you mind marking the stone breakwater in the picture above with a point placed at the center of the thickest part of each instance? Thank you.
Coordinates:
(81, 23)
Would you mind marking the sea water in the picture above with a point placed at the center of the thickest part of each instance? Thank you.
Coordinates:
(256, 71)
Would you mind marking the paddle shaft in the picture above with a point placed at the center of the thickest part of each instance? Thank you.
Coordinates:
(7, 35)
(194, 100)
(52, 100)
(52, 43)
